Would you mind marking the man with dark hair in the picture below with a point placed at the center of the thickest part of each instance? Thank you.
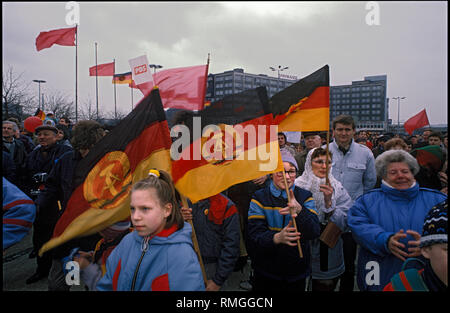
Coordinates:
(354, 167)
(312, 140)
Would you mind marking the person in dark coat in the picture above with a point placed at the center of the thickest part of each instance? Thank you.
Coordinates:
(39, 164)
(16, 150)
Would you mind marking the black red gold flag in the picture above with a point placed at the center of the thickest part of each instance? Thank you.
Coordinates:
(241, 146)
(124, 78)
(39, 113)
(304, 105)
(103, 178)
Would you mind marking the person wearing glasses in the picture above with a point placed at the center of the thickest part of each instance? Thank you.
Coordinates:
(332, 203)
(354, 167)
(272, 238)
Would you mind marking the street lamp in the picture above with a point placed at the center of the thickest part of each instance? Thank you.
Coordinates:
(154, 67)
(280, 69)
(39, 82)
(398, 111)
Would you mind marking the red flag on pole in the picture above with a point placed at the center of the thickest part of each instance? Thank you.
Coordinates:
(180, 88)
(417, 121)
(62, 37)
(106, 69)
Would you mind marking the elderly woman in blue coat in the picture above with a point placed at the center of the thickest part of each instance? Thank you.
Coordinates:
(387, 221)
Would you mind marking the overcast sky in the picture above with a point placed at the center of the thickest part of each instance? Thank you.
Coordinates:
(409, 45)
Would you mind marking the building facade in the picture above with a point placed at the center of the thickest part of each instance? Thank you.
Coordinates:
(365, 101)
(235, 81)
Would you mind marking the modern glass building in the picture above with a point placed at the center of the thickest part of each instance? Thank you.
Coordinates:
(234, 81)
(365, 101)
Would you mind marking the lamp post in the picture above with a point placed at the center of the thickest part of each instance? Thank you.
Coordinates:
(39, 82)
(154, 67)
(398, 111)
(280, 69)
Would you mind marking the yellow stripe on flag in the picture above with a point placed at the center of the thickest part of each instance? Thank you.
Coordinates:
(306, 120)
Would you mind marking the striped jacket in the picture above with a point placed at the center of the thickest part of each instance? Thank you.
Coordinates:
(281, 262)
(19, 213)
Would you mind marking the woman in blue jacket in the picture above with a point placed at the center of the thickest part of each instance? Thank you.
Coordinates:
(158, 255)
(387, 222)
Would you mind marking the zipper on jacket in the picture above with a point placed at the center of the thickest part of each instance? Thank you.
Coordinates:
(144, 248)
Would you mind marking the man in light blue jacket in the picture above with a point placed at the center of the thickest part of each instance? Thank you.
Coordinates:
(354, 167)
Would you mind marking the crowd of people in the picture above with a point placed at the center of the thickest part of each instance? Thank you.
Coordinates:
(321, 224)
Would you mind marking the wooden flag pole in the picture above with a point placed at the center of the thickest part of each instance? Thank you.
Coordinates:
(194, 241)
(115, 101)
(293, 219)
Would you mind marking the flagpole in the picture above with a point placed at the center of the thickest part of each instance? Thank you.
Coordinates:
(194, 241)
(76, 73)
(300, 252)
(131, 97)
(115, 102)
(206, 81)
(96, 79)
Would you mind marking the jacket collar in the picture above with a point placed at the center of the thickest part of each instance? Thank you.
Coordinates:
(278, 193)
(409, 193)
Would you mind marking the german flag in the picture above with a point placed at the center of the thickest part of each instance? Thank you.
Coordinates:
(305, 105)
(39, 113)
(124, 78)
(241, 145)
(103, 179)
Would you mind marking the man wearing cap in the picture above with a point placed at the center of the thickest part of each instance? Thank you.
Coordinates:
(39, 164)
(312, 140)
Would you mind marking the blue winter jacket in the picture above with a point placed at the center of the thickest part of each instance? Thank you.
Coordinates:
(19, 213)
(377, 215)
(168, 263)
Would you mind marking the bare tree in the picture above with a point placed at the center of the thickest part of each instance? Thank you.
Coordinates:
(16, 99)
(58, 103)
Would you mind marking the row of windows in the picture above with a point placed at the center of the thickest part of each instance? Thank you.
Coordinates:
(356, 95)
(363, 88)
(368, 100)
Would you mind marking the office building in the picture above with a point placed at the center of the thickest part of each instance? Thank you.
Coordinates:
(234, 81)
(365, 101)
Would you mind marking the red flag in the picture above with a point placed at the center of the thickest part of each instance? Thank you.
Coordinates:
(180, 88)
(417, 121)
(62, 37)
(106, 69)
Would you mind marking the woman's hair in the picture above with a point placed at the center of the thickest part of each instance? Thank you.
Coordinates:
(392, 156)
(166, 193)
(319, 152)
(391, 143)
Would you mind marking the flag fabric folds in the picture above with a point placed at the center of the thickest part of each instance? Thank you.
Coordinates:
(124, 78)
(106, 69)
(305, 105)
(417, 121)
(242, 145)
(180, 88)
(430, 157)
(62, 37)
(103, 178)
(39, 113)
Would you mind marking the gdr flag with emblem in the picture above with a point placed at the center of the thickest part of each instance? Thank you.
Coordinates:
(103, 179)
(234, 140)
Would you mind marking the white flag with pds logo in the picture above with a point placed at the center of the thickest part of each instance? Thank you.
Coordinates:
(140, 70)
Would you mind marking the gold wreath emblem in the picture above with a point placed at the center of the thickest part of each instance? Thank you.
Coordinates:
(109, 182)
(222, 146)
